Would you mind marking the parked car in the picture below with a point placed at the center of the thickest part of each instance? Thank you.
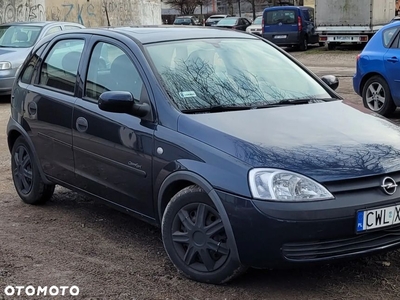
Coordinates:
(290, 26)
(377, 74)
(185, 129)
(214, 19)
(187, 20)
(236, 23)
(17, 40)
(396, 18)
(255, 27)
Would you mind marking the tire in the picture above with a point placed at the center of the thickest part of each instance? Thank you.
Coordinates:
(331, 46)
(303, 46)
(321, 44)
(377, 96)
(198, 255)
(27, 181)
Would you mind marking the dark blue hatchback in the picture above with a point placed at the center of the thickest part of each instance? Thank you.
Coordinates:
(242, 156)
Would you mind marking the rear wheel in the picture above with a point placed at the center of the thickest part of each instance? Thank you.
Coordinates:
(304, 44)
(321, 44)
(332, 46)
(27, 181)
(377, 96)
(195, 239)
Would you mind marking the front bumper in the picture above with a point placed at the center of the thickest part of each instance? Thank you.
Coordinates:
(283, 38)
(279, 235)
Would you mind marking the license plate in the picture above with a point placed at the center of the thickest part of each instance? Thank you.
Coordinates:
(280, 37)
(377, 218)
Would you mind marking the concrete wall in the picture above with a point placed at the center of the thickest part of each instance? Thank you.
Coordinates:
(91, 13)
(22, 10)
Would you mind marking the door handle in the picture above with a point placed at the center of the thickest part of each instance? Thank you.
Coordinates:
(82, 124)
(393, 59)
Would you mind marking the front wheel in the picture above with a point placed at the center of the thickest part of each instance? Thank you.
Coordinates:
(377, 96)
(195, 239)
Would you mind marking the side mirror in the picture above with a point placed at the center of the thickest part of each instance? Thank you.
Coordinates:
(331, 80)
(122, 102)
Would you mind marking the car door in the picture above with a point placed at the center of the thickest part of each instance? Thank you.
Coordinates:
(49, 103)
(113, 151)
(391, 60)
(309, 29)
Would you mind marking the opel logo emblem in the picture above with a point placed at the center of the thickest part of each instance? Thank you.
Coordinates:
(389, 186)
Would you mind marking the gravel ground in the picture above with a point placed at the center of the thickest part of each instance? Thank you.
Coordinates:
(74, 240)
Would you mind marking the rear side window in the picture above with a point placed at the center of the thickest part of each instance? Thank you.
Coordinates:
(306, 15)
(60, 67)
(388, 35)
(284, 16)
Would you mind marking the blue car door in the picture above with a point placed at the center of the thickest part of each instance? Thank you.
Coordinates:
(392, 66)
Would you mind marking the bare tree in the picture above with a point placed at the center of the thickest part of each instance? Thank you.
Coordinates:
(186, 7)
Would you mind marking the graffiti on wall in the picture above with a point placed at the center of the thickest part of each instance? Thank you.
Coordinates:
(79, 13)
(20, 11)
(91, 14)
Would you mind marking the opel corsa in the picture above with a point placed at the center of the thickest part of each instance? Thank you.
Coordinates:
(241, 155)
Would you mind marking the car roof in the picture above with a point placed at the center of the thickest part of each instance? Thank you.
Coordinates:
(286, 7)
(185, 17)
(164, 33)
(218, 16)
(39, 23)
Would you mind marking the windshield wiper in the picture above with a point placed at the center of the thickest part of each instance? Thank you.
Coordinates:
(217, 108)
(295, 102)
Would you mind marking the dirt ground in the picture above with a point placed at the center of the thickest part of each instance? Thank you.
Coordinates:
(74, 240)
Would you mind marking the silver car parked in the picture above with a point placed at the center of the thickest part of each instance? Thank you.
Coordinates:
(16, 41)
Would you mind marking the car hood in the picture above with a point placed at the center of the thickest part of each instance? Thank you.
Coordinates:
(255, 27)
(14, 55)
(325, 141)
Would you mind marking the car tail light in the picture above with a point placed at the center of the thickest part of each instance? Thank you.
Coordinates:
(358, 57)
(262, 26)
(299, 25)
(363, 38)
(323, 38)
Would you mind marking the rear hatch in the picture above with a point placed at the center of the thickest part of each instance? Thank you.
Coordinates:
(281, 22)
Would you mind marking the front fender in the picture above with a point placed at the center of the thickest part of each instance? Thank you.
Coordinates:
(212, 194)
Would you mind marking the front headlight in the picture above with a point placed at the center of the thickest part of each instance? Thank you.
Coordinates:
(281, 185)
(5, 65)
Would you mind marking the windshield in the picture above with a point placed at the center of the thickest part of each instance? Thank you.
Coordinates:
(19, 36)
(227, 21)
(243, 72)
(257, 21)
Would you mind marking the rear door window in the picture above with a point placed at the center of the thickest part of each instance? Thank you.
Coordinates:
(284, 16)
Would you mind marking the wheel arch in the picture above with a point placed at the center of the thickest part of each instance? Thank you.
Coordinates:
(366, 77)
(14, 131)
(181, 179)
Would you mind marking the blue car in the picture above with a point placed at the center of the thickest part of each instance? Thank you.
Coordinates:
(377, 79)
(290, 26)
(242, 156)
